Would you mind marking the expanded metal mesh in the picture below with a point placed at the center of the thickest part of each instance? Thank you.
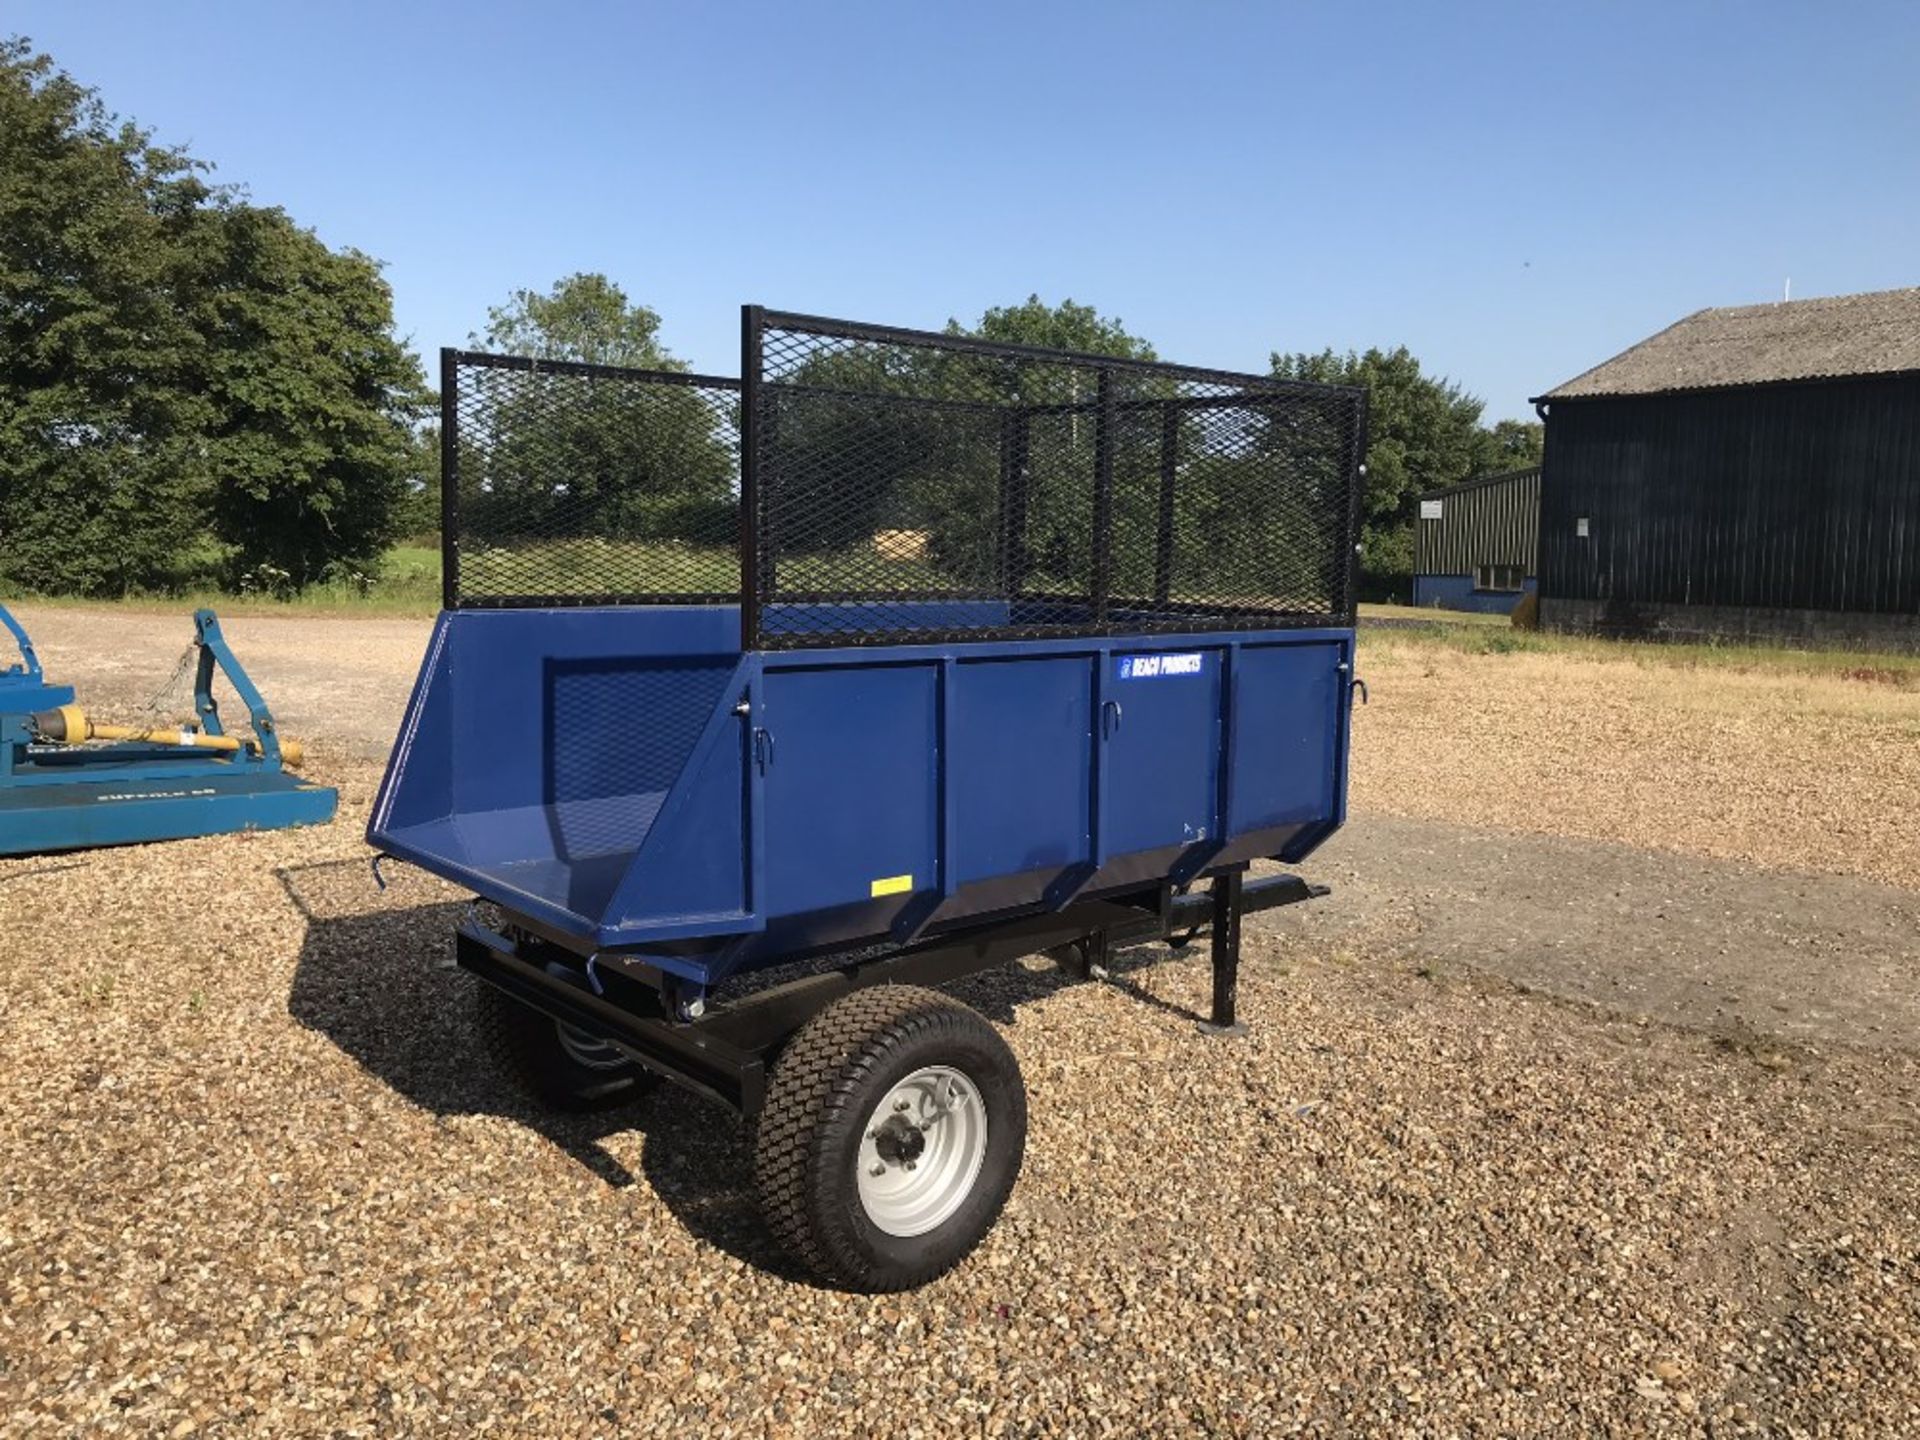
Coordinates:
(910, 486)
(904, 486)
(579, 484)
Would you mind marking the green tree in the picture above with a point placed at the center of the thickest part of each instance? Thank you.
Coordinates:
(188, 383)
(1423, 432)
(1058, 542)
(101, 488)
(1065, 326)
(586, 318)
(563, 455)
(310, 448)
(1511, 445)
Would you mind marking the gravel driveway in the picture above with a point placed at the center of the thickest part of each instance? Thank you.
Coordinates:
(1534, 1134)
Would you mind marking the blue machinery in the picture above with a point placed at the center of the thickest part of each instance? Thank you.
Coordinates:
(23, 685)
(61, 788)
(1067, 713)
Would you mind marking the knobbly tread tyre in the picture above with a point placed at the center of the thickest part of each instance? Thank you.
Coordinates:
(522, 1042)
(837, 1067)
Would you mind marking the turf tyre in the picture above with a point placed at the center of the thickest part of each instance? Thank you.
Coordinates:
(821, 1098)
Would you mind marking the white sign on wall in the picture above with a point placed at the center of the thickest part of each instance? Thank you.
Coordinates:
(1431, 509)
(1580, 527)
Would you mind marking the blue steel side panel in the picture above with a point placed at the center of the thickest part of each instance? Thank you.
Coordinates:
(1021, 750)
(541, 745)
(505, 664)
(874, 759)
(1286, 732)
(418, 784)
(1160, 724)
(691, 876)
(1456, 592)
(851, 787)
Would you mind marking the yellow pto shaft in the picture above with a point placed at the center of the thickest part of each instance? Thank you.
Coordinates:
(69, 725)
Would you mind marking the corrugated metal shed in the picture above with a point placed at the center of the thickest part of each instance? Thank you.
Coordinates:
(1494, 520)
(1781, 497)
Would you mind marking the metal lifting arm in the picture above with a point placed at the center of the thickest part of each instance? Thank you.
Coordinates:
(29, 662)
(71, 725)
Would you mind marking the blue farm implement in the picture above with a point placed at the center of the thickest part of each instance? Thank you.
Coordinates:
(23, 684)
(71, 782)
(901, 657)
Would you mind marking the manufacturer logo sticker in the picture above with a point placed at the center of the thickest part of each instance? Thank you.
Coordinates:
(1161, 667)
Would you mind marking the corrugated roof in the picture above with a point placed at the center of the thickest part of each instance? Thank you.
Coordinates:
(1478, 482)
(1871, 334)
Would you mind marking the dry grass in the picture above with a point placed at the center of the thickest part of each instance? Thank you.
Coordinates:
(1787, 761)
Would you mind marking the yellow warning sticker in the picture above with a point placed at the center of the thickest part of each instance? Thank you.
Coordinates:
(892, 885)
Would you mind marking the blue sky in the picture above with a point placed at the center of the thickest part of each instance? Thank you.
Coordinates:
(1515, 192)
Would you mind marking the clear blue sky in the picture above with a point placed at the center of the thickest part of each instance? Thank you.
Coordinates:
(1515, 192)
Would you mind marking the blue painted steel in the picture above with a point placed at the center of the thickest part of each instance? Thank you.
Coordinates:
(628, 778)
(1162, 738)
(70, 797)
(1456, 592)
(1029, 796)
(23, 685)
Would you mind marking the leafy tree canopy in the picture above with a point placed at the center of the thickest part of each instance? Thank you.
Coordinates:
(191, 386)
(1512, 445)
(1423, 432)
(1065, 326)
(586, 318)
(564, 456)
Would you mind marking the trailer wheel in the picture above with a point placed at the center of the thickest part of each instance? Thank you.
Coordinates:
(893, 1130)
(562, 1066)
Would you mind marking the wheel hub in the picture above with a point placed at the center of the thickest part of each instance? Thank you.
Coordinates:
(922, 1151)
(900, 1141)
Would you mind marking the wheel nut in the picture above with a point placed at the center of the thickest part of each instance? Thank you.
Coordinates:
(899, 1106)
(881, 1169)
(910, 1164)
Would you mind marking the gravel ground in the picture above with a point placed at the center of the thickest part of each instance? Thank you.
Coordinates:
(1453, 1183)
(1783, 770)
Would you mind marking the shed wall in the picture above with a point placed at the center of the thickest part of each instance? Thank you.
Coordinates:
(1777, 497)
(1492, 523)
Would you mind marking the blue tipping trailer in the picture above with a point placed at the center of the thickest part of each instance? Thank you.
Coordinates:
(1015, 649)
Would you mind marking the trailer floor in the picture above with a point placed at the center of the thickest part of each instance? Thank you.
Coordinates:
(1534, 1133)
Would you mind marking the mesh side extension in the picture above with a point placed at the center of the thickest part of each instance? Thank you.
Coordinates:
(908, 486)
(587, 484)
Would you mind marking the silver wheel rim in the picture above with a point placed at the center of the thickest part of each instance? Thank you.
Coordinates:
(586, 1051)
(922, 1150)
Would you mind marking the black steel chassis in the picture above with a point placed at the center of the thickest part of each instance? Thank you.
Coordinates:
(725, 1051)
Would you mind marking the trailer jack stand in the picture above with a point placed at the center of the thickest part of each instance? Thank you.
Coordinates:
(1227, 889)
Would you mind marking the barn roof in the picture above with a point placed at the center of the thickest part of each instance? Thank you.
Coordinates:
(1479, 482)
(1841, 335)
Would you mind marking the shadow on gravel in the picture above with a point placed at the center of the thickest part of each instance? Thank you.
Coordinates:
(378, 980)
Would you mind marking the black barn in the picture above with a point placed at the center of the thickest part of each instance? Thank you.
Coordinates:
(1748, 472)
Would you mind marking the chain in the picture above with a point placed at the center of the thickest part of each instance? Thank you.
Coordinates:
(169, 698)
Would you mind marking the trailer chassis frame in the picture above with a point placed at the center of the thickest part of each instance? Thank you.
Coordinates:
(724, 1052)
